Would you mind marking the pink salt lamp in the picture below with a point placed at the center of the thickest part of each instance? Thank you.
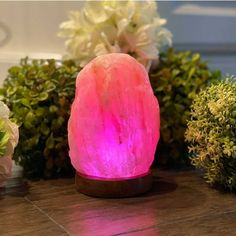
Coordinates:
(113, 128)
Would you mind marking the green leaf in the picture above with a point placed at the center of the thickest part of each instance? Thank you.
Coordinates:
(43, 96)
(11, 91)
(53, 109)
(191, 72)
(50, 142)
(29, 120)
(4, 137)
(25, 102)
(49, 86)
(196, 57)
(32, 142)
(40, 111)
(44, 129)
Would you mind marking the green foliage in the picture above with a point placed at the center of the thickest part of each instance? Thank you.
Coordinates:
(4, 137)
(211, 133)
(176, 81)
(39, 94)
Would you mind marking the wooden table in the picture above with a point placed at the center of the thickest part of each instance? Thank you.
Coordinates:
(180, 203)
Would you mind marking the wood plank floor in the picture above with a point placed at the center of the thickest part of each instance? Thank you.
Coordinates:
(180, 203)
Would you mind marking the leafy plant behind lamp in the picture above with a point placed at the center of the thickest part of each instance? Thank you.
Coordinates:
(39, 94)
(176, 80)
(211, 133)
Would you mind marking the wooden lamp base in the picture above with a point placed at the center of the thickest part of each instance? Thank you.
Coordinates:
(113, 188)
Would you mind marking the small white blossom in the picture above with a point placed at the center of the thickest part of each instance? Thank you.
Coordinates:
(132, 27)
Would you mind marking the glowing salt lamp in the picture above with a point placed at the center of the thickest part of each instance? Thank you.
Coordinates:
(113, 128)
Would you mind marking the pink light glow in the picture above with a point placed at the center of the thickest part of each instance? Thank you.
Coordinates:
(114, 125)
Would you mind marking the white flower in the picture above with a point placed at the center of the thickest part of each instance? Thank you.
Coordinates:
(9, 136)
(132, 27)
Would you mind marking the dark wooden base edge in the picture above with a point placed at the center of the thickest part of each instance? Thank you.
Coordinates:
(113, 188)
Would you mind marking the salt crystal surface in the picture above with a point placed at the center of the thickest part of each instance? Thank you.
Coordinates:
(114, 125)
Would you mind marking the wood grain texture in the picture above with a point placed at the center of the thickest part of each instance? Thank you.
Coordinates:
(180, 203)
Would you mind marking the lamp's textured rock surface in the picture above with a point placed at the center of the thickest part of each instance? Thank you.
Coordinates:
(114, 125)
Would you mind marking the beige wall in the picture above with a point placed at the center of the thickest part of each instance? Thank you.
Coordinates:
(30, 29)
(33, 26)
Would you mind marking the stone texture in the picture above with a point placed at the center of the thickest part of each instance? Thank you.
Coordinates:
(113, 129)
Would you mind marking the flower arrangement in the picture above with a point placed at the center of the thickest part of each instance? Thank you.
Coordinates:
(176, 80)
(211, 133)
(39, 94)
(101, 27)
(8, 140)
